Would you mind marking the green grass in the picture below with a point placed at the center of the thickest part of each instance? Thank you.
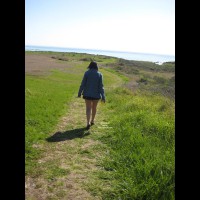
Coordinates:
(141, 157)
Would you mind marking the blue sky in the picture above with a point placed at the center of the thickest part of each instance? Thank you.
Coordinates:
(146, 26)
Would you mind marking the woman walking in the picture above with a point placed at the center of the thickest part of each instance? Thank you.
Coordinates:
(92, 90)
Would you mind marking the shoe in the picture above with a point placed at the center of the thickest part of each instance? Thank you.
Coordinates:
(92, 123)
(88, 127)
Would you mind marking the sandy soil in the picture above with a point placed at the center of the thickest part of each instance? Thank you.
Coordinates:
(37, 64)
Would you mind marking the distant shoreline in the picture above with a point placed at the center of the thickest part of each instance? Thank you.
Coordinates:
(156, 58)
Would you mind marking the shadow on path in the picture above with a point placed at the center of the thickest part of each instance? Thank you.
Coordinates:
(68, 135)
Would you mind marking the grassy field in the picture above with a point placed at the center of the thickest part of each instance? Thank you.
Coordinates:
(128, 154)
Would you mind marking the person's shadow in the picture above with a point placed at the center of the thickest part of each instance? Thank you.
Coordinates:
(68, 135)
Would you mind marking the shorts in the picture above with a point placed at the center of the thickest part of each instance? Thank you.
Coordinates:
(90, 98)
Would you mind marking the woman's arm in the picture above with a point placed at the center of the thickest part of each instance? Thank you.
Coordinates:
(101, 86)
(82, 86)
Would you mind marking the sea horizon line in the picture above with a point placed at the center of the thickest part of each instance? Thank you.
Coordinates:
(79, 48)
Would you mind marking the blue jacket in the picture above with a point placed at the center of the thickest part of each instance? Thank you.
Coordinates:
(92, 85)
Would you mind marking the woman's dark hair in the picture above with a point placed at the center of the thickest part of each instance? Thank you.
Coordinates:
(93, 65)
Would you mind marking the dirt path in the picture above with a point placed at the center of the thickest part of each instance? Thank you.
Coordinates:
(70, 158)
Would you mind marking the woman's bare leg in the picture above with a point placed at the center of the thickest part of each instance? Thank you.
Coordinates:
(94, 109)
(88, 104)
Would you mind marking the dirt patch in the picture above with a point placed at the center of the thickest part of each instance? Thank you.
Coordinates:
(39, 64)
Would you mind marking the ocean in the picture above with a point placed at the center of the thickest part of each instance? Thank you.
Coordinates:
(157, 58)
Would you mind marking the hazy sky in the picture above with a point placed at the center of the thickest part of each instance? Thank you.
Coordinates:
(146, 26)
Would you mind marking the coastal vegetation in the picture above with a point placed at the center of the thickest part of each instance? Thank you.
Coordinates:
(127, 154)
